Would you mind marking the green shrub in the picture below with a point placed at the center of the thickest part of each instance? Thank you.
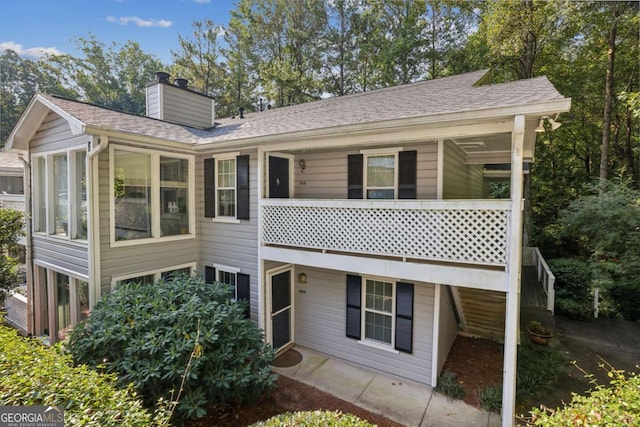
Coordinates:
(491, 398)
(313, 419)
(572, 287)
(616, 405)
(147, 334)
(32, 374)
(449, 385)
(537, 367)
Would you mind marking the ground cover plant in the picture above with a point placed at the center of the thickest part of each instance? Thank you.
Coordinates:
(180, 339)
(33, 374)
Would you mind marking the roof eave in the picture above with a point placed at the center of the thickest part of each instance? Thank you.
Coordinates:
(31, 119)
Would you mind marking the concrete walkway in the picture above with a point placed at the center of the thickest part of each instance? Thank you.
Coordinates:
(403, 401)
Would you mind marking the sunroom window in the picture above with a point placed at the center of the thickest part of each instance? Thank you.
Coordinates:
(60, 194)
(152, 195)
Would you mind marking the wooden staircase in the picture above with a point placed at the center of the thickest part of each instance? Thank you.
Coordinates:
(481, 313)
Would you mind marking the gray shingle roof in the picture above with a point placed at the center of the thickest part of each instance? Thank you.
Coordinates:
(10, 161)
(426, 98)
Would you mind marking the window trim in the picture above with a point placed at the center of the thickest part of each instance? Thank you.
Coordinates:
(227, 269)
(217, 158)
(377, 152)
(371, 341)
(72, 210)
(157, 273)
(154, 161)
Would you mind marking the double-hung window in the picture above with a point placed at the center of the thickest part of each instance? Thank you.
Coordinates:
(60, 194)
(384, 173)
(152, 195)
(379, 313)
(226, 187)
(239, 282)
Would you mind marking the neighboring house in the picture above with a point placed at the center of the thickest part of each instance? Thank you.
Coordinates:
(355, 225)
(11, 181)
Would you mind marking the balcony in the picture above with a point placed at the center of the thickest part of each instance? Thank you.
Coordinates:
(461, 231)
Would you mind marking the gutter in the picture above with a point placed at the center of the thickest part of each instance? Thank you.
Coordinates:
(31, 309)
(93, 218)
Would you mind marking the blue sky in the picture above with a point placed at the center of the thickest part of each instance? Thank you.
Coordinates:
(31, 27)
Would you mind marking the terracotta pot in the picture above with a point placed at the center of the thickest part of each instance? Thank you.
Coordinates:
(542, 339)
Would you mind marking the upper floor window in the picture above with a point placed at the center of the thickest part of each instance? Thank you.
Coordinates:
(386, 173)
(226, 187)
(60, 194)
(152, 195)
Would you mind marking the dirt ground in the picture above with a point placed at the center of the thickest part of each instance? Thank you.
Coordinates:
(288, 396)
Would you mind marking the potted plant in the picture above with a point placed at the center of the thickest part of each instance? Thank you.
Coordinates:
(539, 333)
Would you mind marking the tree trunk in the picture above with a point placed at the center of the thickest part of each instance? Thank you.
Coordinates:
(608, 97)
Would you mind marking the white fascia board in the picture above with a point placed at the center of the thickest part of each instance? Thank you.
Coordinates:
(141, 141)
(469, 277)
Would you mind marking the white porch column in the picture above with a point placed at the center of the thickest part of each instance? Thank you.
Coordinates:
(514, 263)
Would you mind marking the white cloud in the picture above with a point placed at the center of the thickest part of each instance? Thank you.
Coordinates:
(30, 53)
(139, 22)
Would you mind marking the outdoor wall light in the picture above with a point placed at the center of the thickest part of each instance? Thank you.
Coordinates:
(302, 278)
(302, 164)
(552, 122)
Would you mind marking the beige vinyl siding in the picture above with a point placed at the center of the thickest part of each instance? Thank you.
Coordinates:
(128, 260)
(231, 244)
(52, 135)
(460, 181)
(325, 176)
(320, 319)
(61, 253)
(185, 107)
(153, 101)
(448, 328)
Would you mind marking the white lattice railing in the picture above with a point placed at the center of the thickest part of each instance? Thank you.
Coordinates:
(132, 214)
(16, 307)
(466, 231)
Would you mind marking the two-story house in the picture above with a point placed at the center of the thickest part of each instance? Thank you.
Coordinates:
(356, 225)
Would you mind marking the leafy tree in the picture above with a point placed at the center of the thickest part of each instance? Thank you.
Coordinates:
(11, 223)
(19, 79)
(111, 76)
(281, 42)
(181, 335)
(603, 227)
(340, 58)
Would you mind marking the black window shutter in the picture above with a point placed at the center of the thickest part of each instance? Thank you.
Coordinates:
(354, 176)
(354, 301)
(407, 174)
(209, 274)
(242, 186)
(209, 188)
(242, 292)
(404, 317)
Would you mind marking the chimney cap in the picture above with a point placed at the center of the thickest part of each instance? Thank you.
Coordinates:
(162, 77)
(181, 83)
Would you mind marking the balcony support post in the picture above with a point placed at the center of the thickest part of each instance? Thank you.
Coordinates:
(514, 262)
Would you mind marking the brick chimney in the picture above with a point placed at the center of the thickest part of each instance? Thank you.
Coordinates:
(177, 103)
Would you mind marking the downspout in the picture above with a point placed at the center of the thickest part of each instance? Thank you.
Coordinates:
(31, 311)
(93, 217)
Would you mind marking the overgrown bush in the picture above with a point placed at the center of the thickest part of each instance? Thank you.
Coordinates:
(449, 385)
(147, 334)
(313, 419)
(11, 222)
(32, 374)
(573, 287)
(616, 405)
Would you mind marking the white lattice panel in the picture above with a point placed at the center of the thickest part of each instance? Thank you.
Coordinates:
(16, 307)
(441, 234)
